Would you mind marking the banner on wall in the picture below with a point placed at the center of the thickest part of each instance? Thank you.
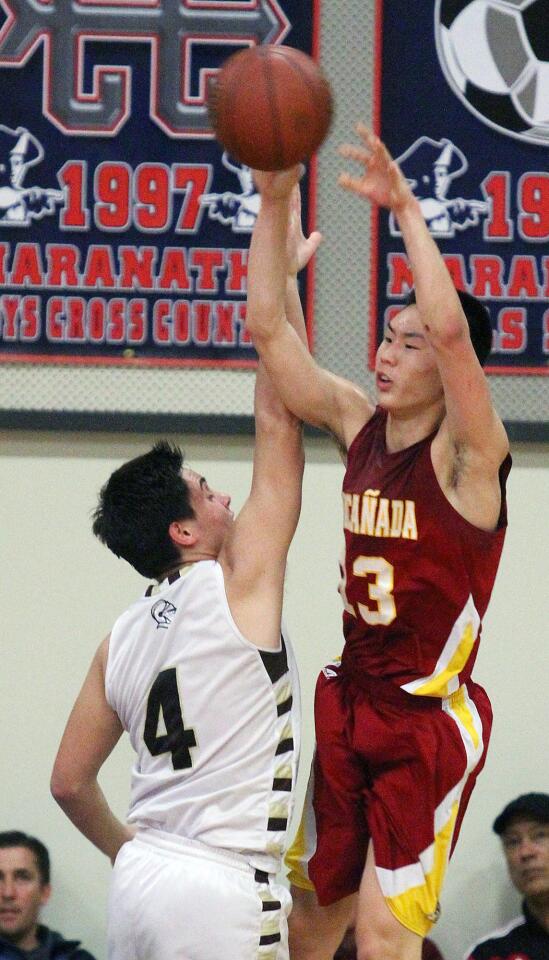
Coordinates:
(124, 227)
(462, 102)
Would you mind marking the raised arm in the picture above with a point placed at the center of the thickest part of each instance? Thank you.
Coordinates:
(312, 393)
(472, 425)
(254, 555)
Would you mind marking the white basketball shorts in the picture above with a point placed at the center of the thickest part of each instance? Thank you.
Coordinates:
(176, 899)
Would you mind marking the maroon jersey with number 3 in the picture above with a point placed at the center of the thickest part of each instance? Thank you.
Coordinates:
(417, 576)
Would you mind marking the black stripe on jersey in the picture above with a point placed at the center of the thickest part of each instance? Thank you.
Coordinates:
(269, 938)
(275, 662)
(261, 876)
(271, 905)
(285, 706)
(277, 823)
(282, 783)
(285, 746)
(149, 590)
(174, 576)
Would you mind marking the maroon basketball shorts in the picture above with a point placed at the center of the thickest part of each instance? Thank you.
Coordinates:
(394, 769)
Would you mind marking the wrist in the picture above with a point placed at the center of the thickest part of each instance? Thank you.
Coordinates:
(409, 207)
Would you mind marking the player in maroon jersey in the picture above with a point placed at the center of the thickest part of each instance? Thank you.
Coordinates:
(401, 728)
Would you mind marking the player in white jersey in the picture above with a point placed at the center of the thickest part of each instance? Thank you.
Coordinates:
(198, 673)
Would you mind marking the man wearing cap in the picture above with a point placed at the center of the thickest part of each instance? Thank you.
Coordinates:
(524, 830)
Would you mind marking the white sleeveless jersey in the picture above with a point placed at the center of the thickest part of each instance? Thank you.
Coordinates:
(213, 719)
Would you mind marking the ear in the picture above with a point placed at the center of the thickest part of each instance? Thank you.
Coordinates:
(184, 533)
(45, 894)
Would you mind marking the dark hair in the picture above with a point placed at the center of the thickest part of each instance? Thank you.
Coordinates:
(137, 505)
(529, 806)
(16, 838)
(478, 319)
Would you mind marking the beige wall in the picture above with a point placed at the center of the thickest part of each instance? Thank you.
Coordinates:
(60, 592)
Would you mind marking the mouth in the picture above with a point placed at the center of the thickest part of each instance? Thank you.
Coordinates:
(383, 382)
(529, 875)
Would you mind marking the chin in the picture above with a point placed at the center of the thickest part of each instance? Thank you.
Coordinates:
(385, 401)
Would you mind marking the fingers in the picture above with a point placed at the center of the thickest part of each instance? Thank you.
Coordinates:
(353, 184)
(351, 152)
(373, 146)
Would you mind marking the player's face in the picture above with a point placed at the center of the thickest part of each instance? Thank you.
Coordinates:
(526, 847)
(211, 508)
(407, 377)
(22, 893)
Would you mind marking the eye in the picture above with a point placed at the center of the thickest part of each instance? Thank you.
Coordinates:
(510, 843)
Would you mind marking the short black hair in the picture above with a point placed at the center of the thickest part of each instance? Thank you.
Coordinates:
(138, 503)
(16, 838)
(478, 319)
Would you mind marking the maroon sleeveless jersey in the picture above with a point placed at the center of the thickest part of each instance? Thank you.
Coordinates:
(417, 576)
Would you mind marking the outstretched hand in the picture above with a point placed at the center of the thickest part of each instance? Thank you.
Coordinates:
(299, 248)
(382, 181)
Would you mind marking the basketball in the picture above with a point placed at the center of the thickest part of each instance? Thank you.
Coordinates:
(270, 106)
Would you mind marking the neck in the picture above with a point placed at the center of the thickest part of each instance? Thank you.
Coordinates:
(404, 430)
(187, 561)
(539, 908)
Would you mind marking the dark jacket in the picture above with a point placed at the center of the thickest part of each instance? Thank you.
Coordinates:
(523, 937)
(52, 946)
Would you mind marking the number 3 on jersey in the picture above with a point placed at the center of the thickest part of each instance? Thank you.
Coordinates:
(380, 590)
(164, 696)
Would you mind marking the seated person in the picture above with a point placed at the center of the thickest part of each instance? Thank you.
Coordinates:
(524, 830)
(24, 889)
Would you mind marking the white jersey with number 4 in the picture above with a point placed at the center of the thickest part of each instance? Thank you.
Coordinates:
(213, 719)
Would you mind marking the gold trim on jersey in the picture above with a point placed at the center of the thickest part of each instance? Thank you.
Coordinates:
(303, 846)
(444, 680)
(412, 892)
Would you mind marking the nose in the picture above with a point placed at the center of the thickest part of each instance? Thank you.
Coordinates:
(527, 849)
(7, 889)
(226, 500)
(389, 353)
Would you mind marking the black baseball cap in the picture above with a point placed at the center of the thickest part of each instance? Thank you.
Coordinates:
(534, 806)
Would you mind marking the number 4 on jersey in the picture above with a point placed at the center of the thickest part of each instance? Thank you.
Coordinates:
(164, 696)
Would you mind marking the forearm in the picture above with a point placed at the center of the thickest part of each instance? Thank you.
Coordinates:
(438, 304)
(89, 811)
(268, 268)
(294, 309)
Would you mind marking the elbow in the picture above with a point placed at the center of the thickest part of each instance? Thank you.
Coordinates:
(278, 422)
(64, 788)
(261, 324)
(454, 331)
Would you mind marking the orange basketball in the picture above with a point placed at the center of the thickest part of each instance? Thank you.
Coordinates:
(270, 106)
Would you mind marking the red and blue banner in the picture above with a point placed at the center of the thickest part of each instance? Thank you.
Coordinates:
(124, 227)
(462, 102)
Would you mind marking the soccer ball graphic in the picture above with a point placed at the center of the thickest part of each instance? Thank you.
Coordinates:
(495, 56)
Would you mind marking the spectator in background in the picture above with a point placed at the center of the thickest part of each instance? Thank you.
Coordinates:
(347, 948)
(524, 830)
(24, 889)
